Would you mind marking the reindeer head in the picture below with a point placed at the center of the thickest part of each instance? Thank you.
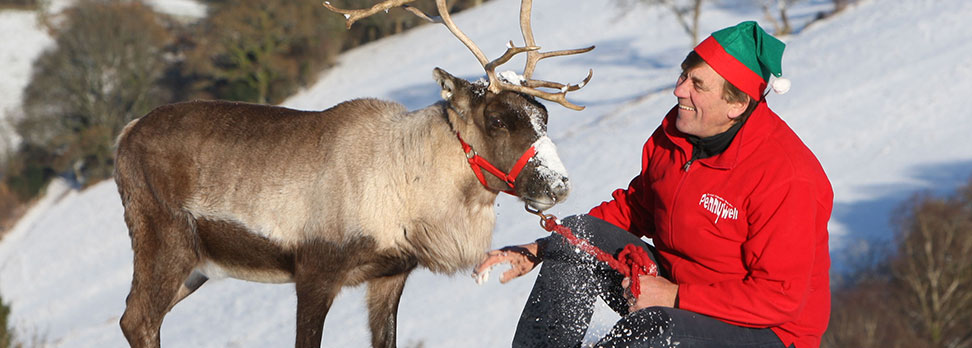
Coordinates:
(504, 125)
(502, 130)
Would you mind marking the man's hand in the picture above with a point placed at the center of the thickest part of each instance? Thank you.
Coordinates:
(655, 291)
(523, 258)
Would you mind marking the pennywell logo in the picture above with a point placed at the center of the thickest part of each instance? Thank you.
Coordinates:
(718, 206)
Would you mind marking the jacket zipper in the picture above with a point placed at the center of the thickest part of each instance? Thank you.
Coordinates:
(671, 217)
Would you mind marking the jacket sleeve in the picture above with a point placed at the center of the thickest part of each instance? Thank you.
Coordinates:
(631, 208)
(779, 256)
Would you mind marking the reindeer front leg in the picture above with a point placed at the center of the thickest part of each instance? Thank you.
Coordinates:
(384, 294)
(313, 302)
(319, 273)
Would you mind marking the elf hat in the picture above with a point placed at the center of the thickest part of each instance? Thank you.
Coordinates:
(746, 56)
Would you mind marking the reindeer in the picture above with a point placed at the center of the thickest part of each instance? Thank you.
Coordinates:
(363, 192)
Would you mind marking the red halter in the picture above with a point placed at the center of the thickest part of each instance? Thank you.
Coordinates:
(478, 163)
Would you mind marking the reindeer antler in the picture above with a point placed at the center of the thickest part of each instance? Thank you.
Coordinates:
(526, 7)
(354, 15)
(528, 86)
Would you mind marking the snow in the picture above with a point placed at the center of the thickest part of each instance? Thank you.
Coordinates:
(21, 39)
(512, 77)
(482, 277)
(188, 9)
(550, 167)
(878, 93)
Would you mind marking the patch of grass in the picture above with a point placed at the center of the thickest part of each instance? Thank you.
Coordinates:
(6, 332)
(416, 344)
(19, 4)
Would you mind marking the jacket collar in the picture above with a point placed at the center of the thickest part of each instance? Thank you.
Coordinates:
(756, 129)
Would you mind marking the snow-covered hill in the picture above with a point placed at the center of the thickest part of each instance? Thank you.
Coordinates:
(21, 40)
(878, 94)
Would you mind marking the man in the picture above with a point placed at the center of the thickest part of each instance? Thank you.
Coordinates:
(737, 209)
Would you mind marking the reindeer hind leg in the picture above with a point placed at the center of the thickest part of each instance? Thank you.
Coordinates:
(164, 259)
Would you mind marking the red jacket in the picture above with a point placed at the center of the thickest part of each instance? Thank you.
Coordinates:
(743, 233)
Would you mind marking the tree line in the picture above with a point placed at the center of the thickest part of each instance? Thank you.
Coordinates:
(19, 4)
(918, 294)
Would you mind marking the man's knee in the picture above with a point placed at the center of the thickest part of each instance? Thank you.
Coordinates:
(643, 328)
(658, 317)
(557, 247)
(595, 231)
(584, 226)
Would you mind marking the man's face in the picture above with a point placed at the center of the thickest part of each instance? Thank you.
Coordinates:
(702, 111)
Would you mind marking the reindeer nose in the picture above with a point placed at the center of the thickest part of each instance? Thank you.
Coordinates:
(560, 189)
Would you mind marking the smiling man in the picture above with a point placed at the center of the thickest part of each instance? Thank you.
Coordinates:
(736, 207)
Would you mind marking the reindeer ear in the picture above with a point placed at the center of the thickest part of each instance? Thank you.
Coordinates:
(454, 90)
(446, 81)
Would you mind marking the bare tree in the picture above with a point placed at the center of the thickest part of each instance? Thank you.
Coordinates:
(687, 13)
(934, 269)
(921, 296)
(261, 51)
(773, 9)
(867, 315)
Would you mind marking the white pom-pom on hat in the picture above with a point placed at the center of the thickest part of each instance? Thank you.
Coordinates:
(781, 85)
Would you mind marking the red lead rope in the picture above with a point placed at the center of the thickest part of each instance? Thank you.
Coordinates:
(632, 261)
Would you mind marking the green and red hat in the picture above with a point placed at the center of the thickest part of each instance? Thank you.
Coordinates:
(746, 56)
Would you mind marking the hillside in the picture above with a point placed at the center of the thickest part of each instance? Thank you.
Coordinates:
(878, 94)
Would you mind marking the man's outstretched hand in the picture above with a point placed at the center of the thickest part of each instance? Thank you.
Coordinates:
(522, 258)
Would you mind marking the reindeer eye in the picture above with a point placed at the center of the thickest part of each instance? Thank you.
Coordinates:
(496, 122)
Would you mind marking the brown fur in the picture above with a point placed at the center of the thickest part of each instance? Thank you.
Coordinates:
(362, 192)
(231, 245)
